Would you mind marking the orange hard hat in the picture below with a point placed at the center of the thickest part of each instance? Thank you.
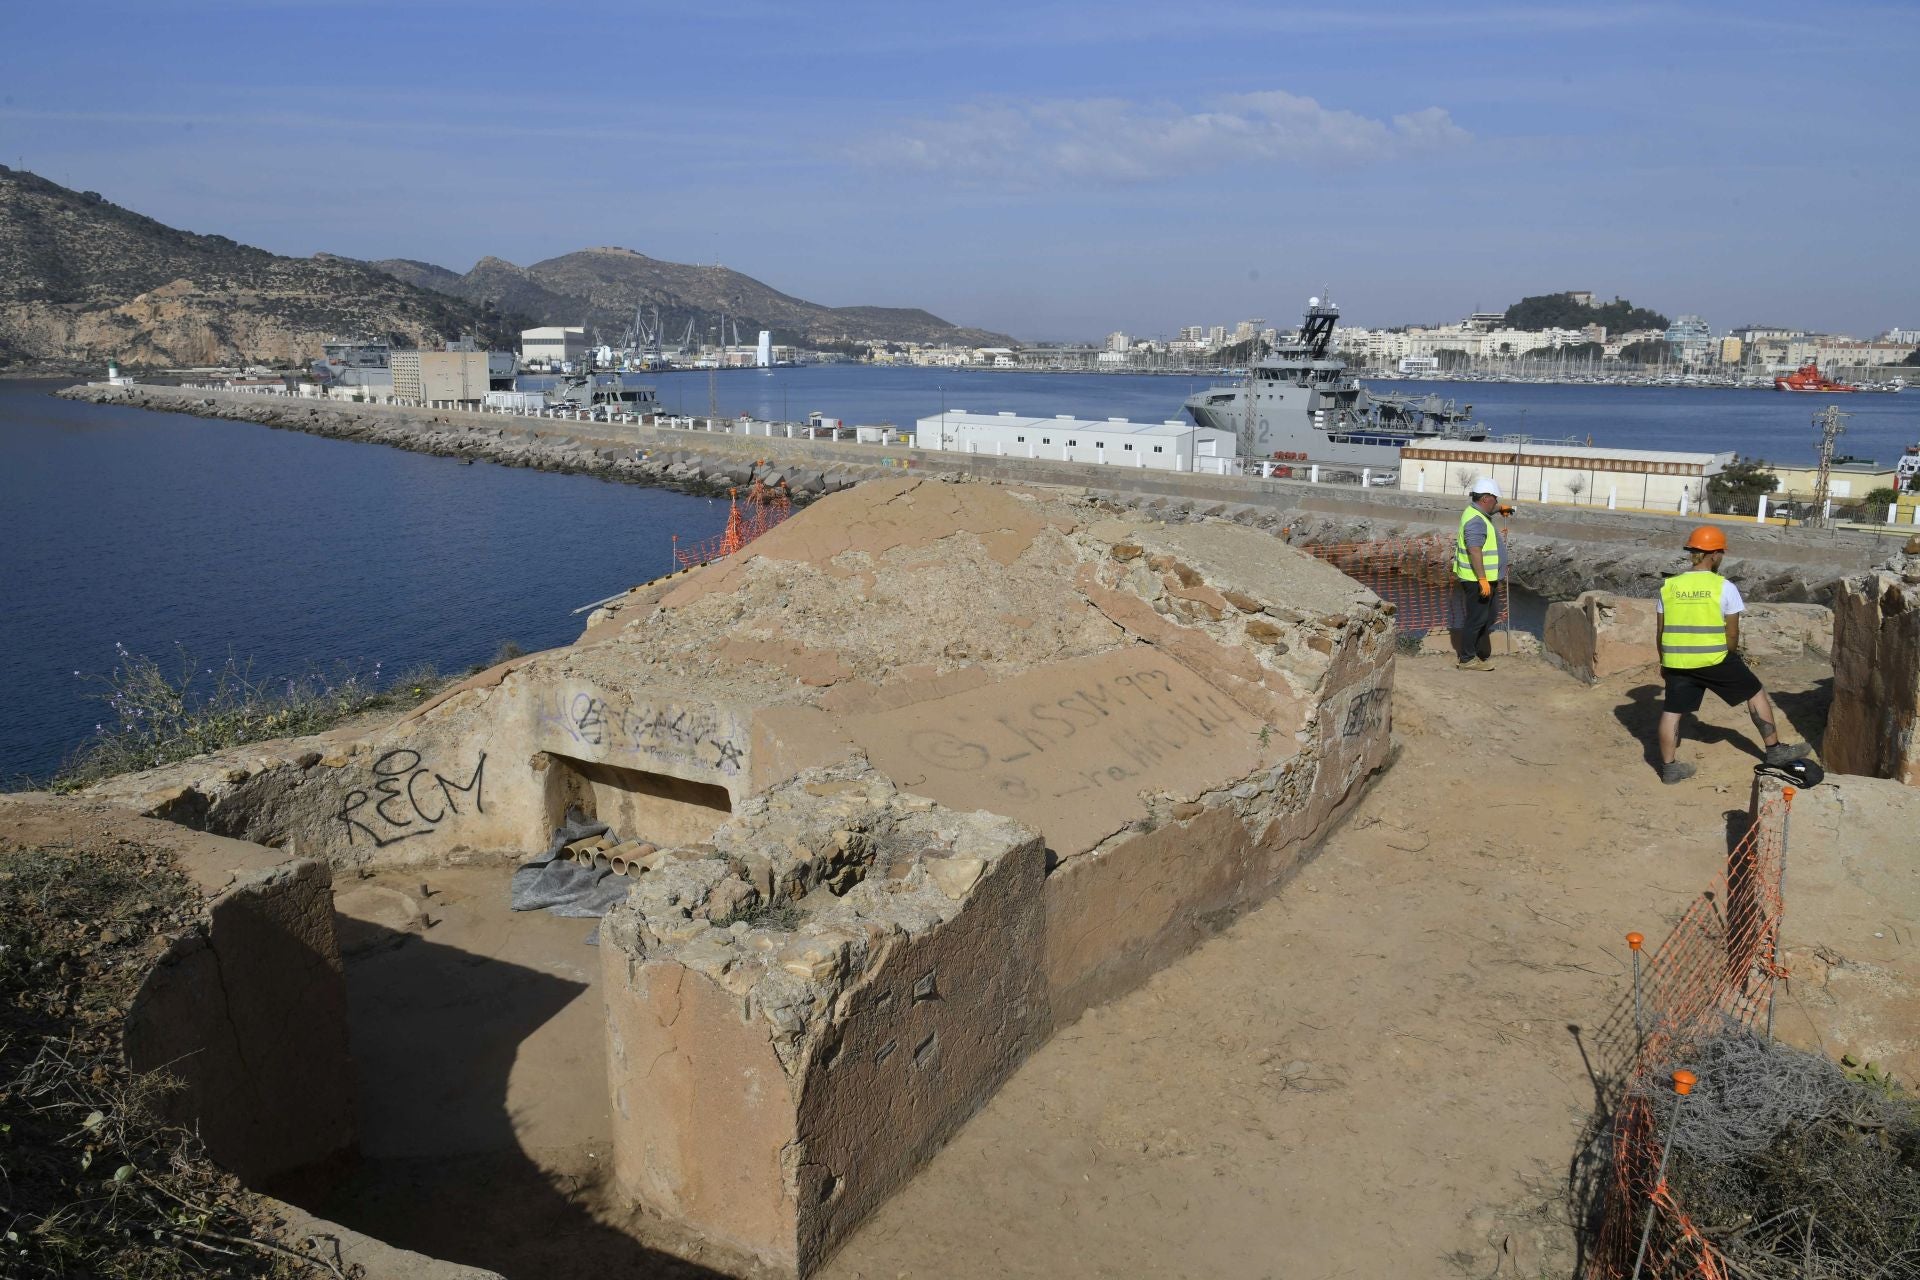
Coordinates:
(1707, 538)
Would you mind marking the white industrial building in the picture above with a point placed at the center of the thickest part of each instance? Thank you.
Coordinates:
(1166, 446)
(554, 345)
(1565, 474)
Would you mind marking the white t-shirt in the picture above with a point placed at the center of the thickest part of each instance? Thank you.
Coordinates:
(1730, 601)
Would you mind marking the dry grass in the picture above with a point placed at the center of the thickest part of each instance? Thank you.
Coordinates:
(93, 1182)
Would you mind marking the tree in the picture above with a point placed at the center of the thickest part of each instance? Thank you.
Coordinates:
(1652, 351)
(1882, 496)
(1562, 311)
(1913, 357)
(1736, 490)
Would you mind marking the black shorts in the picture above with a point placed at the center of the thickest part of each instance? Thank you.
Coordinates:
(1730, 677)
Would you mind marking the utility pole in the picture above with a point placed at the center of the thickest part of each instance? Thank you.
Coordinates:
(1829, 422)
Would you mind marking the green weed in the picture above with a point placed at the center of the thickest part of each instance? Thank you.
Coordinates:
(157, 717)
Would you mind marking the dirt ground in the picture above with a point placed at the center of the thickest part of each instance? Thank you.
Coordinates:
(1376, 1073)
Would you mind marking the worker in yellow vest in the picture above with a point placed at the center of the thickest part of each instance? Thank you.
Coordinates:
(1698, 631)
(1477, 566)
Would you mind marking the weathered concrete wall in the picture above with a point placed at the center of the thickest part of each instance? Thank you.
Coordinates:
(1876, 677)
(250, 1016)
(772, 1085)
(1602, 634)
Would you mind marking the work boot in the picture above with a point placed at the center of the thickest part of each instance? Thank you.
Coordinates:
(1786, 752)
(1678, 771)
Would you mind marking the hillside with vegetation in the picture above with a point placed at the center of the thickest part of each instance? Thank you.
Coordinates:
(1565, 311)
(600, 288)
(83, 280)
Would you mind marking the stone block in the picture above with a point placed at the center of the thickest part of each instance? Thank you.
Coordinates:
(1786, 630)
(1601, 634)
(1876, 679)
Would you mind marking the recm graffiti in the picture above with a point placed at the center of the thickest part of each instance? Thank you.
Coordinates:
(407, 797)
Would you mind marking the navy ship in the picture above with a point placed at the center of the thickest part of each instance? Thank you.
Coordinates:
(1307, 408)
(610, 391)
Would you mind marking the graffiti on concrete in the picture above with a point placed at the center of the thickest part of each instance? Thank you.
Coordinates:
(1364, 712)
(407, 797)
(1131, 724)
(664, 731)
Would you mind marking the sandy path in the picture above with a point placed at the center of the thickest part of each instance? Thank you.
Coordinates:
(1373, 1074)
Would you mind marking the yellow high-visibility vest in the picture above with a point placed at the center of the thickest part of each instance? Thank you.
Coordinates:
(1693, 631)
(1489, 554)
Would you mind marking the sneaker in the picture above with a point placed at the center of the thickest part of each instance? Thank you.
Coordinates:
(1678, 771)
(1482, 664)
(1785, 752)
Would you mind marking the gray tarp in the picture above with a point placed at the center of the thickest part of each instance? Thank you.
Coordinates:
(565, 888)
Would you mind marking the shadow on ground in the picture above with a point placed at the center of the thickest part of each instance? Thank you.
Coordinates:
(1641, 717)
(436, 1031)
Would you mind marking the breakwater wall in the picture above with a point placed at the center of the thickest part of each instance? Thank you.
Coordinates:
(1556, 551)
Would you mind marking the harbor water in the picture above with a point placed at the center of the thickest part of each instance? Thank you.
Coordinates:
(158, 531)
(161, 532)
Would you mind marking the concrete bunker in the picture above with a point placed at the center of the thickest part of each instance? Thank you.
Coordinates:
(926, 771)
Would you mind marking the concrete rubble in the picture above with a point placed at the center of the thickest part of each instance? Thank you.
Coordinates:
(1876, 672)
(927, 770)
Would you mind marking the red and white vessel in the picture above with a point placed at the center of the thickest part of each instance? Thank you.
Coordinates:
(1807, 378)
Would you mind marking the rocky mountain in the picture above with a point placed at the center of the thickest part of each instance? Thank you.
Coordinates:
(82, 280)
(601, 287)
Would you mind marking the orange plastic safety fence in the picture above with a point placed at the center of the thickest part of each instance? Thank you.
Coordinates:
(765, 507)
(1415, 575)
(1717, 966)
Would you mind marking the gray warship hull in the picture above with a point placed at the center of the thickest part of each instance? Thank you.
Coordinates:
(1306, 408)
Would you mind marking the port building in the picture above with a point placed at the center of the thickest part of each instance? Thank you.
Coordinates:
(1564, 473)
(554, 344)
(442, 379)
(1165, 446)
(1847, 481)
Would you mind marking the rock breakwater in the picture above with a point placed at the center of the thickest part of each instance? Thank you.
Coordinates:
(577, 448)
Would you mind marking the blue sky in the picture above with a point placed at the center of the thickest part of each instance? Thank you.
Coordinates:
(1049, 170)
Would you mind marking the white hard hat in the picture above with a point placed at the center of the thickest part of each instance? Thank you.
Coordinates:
(1485, 484)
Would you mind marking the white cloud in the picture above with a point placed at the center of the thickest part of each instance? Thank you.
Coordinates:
(1116, 140)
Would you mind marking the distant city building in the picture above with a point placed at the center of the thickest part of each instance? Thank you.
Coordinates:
(1691, 339)
(1193, 333)
(1118, 341)
(1484, 320)
(1907, 337)
(1730, 350)
(763, 354)
(1217, 336)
